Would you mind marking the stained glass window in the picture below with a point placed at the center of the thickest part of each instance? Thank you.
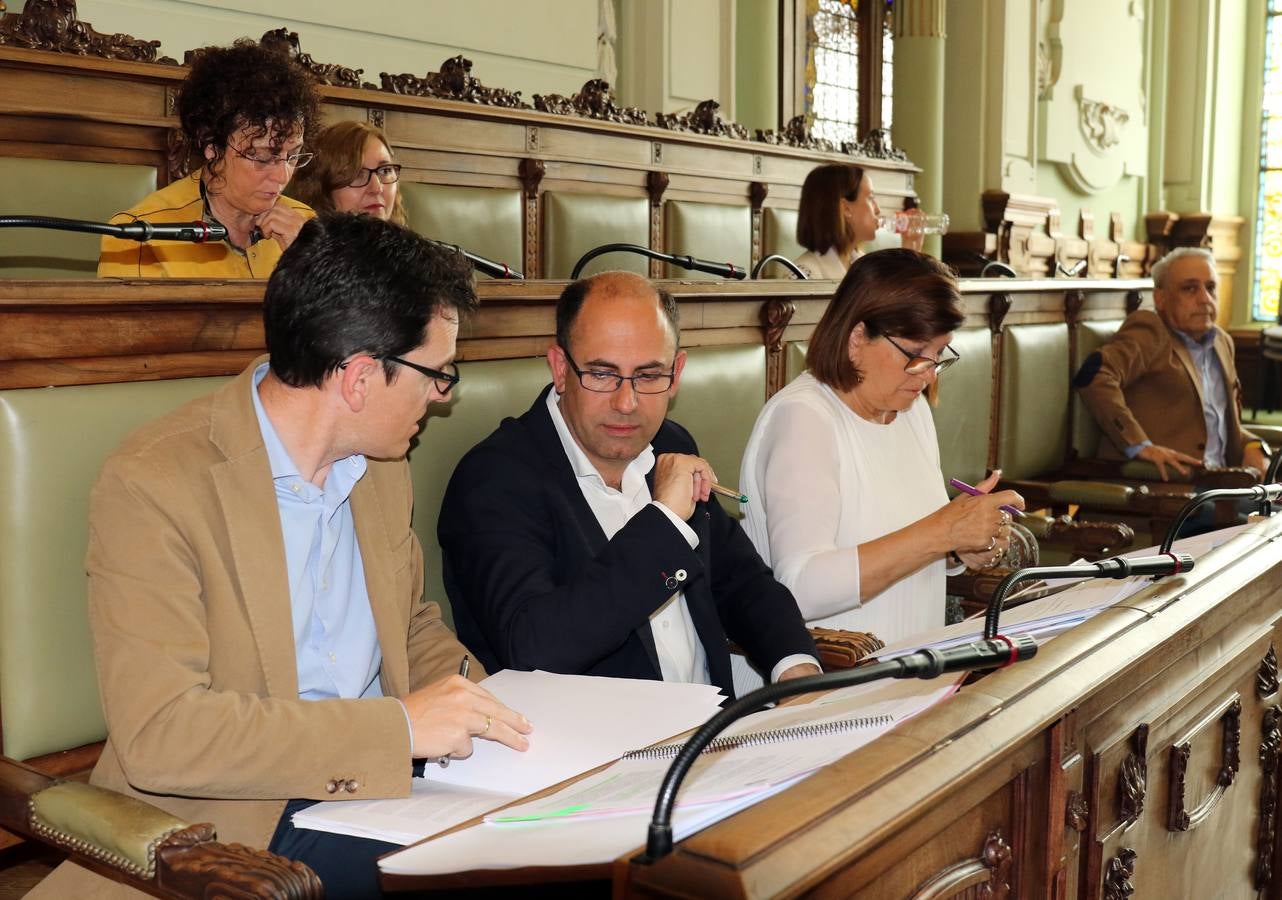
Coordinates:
(849, 53)
(1268, 237)
(832, 69)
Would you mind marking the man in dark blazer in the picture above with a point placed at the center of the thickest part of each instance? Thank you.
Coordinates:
(581, 538)
(1165, 388)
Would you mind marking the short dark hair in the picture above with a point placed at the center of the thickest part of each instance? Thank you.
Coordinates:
(897, 292)
(575, 293)
(352, 283)
(820, 224)
(244, 85)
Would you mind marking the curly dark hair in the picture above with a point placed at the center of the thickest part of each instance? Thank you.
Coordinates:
(244, 85)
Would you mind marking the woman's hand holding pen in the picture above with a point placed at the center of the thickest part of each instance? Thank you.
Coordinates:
(975, 527)
(446, 715)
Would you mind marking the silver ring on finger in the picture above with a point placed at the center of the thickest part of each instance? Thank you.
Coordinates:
(992, 543)
(1005, 518)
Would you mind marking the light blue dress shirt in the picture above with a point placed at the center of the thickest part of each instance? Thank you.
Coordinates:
(334, 636)
(1215, 398)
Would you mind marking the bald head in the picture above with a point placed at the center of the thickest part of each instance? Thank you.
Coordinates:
(612, 289)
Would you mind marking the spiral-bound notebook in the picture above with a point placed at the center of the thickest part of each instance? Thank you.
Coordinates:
(773, 736)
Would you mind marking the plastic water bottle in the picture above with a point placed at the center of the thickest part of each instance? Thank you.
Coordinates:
(902, 221)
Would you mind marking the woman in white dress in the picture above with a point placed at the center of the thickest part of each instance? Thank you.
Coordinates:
(837, 213)
(847, 497)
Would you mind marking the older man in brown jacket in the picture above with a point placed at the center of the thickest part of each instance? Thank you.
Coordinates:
(1165, 388)
(255, 590)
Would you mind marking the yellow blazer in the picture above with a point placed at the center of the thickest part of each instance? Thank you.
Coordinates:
(1146, 387)
(193, 637)
(181, 202)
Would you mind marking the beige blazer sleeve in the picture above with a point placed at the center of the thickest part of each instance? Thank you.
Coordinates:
(1132, 354)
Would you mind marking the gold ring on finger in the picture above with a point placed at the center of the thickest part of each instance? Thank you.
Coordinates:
(484, 731)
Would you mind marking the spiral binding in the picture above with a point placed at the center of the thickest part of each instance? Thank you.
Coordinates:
(757, 738)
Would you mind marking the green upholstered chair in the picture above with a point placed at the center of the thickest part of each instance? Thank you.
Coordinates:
(490, 391)
(963, 413)
(794, 359)
(1091, 335)
(712, 231)
(71, 190)
(53, 442)
(573, 224)
(486, 221)
(779, 235)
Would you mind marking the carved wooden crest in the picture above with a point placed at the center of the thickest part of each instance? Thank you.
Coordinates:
(454, 81)
(986, 877)
(796, 134)
(1076, 812)
(55, 25)
(1270, 747)
(1182, 817)
(876, 145)
(1117, 878)
(1132, 777)
(594, 100)
(1266, 678)
(194, 866)
(285, 41)
(703, 119)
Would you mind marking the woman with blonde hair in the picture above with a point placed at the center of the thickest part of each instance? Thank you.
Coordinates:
(353, 172)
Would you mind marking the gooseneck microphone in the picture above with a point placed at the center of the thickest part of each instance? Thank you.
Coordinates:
(1166, 563)
(783, 261)
(138, 230)
(926, 663)
(1265, 494)
(483, 265)
(724, 270)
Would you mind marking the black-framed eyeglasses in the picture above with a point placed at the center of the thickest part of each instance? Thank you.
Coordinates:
(921, 365)
(603, 382)
(388, 173)
(264, 160)
(444, 381)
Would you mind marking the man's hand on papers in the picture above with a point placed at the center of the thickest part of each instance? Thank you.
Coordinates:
(446, 715)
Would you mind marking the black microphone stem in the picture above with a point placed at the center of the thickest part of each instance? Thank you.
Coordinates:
(725, 270)
(1264, 493)
(137, 230)
(926, 663)
(783, 261)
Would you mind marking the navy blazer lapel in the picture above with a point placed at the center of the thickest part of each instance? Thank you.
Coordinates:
(538, 423)
(703, 607)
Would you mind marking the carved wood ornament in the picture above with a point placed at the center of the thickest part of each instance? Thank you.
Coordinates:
(286, 41)
(1182, 818)
(986, 877)
(55, 26)
(703, 119)
(1266, 678)
(531, 172)
(1117, 878)
(1132, 777)
(594, 100)
(454, 81)
(1270, 747)
(1076, 812)
(191, 865)
(656, 185)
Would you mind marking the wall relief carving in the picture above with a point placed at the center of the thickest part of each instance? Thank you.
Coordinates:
(55, 26)
(1101, 123)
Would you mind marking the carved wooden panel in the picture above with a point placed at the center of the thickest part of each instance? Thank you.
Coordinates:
(656, 184)
(531, 172)
(1266, 679)
(776, 313)
(1132, 779)
(757, 192)
(1118, 875)
(1270, 746)
(987, 876)
(1184, 817)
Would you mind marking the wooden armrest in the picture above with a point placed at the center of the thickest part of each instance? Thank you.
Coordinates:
(839, 649)
(142, 846)
(1083, 537)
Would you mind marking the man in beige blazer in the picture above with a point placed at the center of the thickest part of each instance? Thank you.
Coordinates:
(198, 595)
(1165, 388)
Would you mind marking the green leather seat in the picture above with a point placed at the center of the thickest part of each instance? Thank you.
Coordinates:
(53, 442)
(1090, 336)
(486, 221)
(711, 231)
(794, 359)
(779, 235)
(964, 411)
(1033, 437)
(64, 189)
(573, 224)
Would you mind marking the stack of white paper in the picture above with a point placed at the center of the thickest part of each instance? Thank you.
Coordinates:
(580, 722)
(599, 818)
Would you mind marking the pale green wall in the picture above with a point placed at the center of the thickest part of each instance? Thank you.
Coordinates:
(534, 46)
(757, 64)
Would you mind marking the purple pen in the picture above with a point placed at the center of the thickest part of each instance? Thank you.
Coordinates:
(976, 492)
